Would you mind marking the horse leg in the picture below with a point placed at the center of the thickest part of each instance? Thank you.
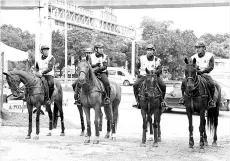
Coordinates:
(82, 120)
(61, 116)
(150, 120)
(159, 127)
(37, 121)
(30, 111)
(155, 127)
(115, 118)
(108, 112)
(205, 135)
(190, 128)
(214, 143)
(48, 109)
(201, 128)
(96, 123)
(143, 113)
(101, 120)
(87, 115)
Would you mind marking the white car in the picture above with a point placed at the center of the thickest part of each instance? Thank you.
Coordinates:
(120, 76)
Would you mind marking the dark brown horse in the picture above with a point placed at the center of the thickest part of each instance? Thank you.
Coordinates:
(36, 98)
(150, 103)
(92, 95)
(196, 100)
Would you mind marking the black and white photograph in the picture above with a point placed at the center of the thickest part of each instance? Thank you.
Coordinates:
(108, 80)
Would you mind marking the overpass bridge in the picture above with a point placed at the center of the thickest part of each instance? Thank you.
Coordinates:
(73, 14)
(118, 4)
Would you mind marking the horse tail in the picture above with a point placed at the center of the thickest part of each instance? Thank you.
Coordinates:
(55, 115)
(213, 113)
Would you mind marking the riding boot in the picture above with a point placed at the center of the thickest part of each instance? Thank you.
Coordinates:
(77, 95)
(181, 101)
(107, 97)
(212, 103)
(163, 103)
(137, 100)
(51, 90)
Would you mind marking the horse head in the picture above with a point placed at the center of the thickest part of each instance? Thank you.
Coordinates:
(13, 82)
(190, 72)
(84, 70)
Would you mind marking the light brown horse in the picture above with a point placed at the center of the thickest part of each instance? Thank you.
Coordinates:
(92, 95)
(36, 98)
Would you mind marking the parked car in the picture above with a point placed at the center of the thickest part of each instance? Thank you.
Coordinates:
(120, 76)
(173, 94)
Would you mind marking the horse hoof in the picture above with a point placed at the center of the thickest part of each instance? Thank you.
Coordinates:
(87, 141)
(190, 149)
(159, 139)
(62, 134)
(113, 138)
(214, 144)
(107, 136)
(36, 137)
(155, 144)
(49, 134)
(143, 145)
(28, 137)
(202, 150)
(82, 133)
(95, 141)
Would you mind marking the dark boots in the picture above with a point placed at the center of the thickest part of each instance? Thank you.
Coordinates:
(107, 97)
(212, 103)
(77, 95)
(137, 100)
(51, 90)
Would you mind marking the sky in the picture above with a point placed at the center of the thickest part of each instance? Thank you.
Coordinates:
(201, 19)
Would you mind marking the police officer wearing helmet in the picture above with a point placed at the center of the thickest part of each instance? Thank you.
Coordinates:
(87, 52)
(45, 66)
(205, 63)
(99, 62)
(151, 62)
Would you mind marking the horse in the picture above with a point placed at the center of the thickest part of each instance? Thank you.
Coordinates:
(150, 103)
(196, 100)
(92, 95)
(35, 97)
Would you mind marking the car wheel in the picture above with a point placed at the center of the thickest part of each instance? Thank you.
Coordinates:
(126, 83)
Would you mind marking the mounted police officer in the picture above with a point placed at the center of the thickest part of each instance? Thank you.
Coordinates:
(151, 62)
(87, 52)
(45, 67)
(99, 62)
(205, 63)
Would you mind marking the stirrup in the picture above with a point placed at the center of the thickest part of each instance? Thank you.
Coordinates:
(48, 102)
(181, 101)
(106, 100)
(78, 103)
(211, 104)
(137, 106)
(163, 104)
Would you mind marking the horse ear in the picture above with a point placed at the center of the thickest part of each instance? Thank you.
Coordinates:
(186, 60)
(194, 61)
(87, 57)
(80, 58)
(147, 71)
